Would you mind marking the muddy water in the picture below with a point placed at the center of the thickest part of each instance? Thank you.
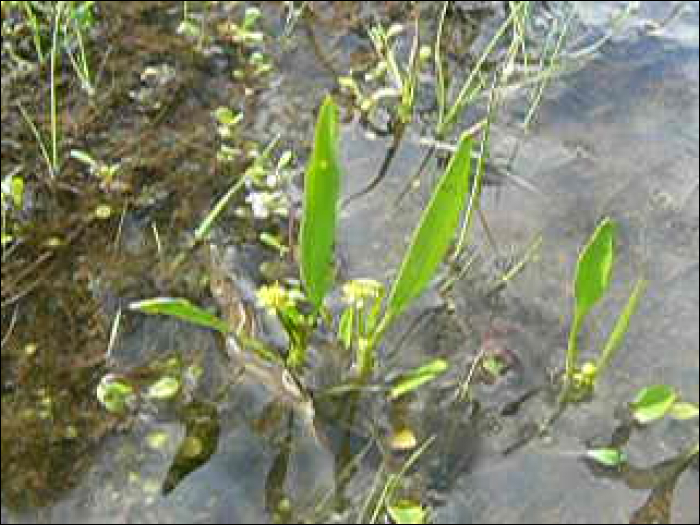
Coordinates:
(618, 137)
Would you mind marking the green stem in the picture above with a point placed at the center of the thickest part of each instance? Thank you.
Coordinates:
(571, 357)
(54, 125)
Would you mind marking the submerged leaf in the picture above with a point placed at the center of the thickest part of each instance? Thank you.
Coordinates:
(683, 410)
(164, 388)
(653, 403)
(610, 457)
(415, 378)
(321, 193)
(182, 309)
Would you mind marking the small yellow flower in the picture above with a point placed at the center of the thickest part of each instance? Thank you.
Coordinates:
(355, 292)
(274, 298)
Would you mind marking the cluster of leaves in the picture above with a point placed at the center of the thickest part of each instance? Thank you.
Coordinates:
(651, 404)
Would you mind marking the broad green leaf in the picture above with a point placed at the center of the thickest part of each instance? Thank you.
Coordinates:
(182, 309)
(432, 237)
(621, 325)
(595, 267)
(683, 410)
(610, 457)
(321, 192)
(653, 403)
(415, 378)
(407, 511)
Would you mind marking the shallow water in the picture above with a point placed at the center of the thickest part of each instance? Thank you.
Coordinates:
(618, 136)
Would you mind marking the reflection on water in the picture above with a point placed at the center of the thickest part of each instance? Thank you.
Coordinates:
(618, 137)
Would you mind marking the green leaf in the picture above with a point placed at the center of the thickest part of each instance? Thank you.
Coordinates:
(610, 457)
(114, 394)
(432, 237)
(653, 403)
(346, 325)
(18, 192)
(595, 267)
(321, 192)
(415, 378)
(407, 511)
(164, 388)
(683, 411)
(182, 309)
(621, 326)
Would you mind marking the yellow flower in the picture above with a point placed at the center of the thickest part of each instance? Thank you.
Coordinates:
(355, 292)
(274, 298)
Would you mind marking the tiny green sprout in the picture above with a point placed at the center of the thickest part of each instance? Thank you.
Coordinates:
(494, 365)
(115, 395)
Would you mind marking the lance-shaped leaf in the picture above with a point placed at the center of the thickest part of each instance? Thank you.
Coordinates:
(595, 267)
(432, 237)
(321, 193)
(418, 377)
(182, 309)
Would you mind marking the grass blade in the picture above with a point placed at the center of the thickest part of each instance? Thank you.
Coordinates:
(321, 192)
(434, 233)
(182, 309)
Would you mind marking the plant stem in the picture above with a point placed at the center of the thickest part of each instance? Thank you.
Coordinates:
(54, 126)
(571, 357)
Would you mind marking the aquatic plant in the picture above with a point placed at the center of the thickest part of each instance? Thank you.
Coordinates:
(369, 313)
(431, 238)
(651, 404)
(593, 272)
